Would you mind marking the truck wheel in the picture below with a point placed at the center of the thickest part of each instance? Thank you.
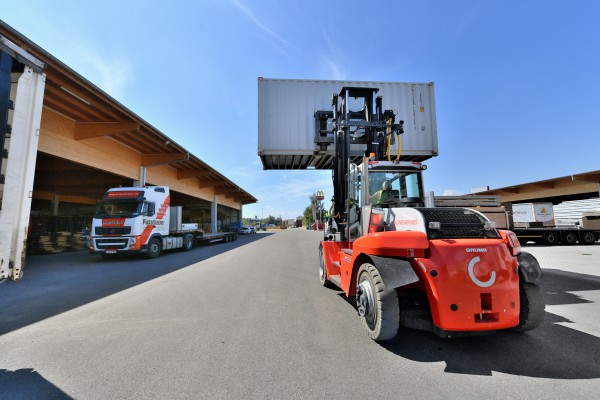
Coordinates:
(532, 307)
(570, 238)
(154, 248)
(377, 305)
(588, 238)
(551, 238)
(188, 242)
(322, 270)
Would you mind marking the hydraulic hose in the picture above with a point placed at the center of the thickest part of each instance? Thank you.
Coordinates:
(389, 140)
(331, 208)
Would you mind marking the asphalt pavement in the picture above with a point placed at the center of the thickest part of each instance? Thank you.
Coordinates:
(249, 320)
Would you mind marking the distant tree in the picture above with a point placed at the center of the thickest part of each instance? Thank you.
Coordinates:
(307, 216)
(313, 211)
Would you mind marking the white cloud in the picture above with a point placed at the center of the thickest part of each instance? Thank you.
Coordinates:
(113, 74)
(244, 9)
(334, 69)
(288, 197)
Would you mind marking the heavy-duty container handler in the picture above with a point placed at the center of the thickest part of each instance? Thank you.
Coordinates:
(448, 271)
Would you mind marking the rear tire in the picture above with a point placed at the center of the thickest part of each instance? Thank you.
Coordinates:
(570, 238)
(588, 238)
(154, 248)
(551, 238)
(188, 242)
(532, 307)
(378, 305)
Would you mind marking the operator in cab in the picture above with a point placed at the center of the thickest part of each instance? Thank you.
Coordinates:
(383, 196)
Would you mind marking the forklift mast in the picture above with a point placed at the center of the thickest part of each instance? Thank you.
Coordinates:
(369, 126)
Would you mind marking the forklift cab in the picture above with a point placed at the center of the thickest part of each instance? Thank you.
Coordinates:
(375, 188)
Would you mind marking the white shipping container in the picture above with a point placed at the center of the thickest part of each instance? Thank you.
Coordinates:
(533, 212)
(286, 120)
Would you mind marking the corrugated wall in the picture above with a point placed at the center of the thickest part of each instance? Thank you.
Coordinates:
(286, 108)
(569, 213)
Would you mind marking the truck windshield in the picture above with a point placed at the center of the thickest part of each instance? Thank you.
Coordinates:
(395, 188)
(118, 209)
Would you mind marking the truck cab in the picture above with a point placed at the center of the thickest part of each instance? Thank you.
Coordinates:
(128, 219)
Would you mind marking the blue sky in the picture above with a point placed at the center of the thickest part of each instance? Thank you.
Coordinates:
(517, 82)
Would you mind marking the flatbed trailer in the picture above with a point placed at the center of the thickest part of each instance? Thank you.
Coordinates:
(141, 220)
(216, 237)
(555, 235)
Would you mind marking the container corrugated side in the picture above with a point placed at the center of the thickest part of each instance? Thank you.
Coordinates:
(286, 121)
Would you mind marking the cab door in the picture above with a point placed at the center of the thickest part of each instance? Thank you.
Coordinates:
(354, 230)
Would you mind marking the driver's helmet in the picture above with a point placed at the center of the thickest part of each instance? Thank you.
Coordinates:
(387, 185)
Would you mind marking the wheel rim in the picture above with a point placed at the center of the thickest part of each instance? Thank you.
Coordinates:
(552, 238)
(365, 302)
(154, 247)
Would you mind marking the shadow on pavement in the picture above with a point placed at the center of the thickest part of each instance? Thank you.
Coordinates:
(28, 384)
(57, 283)
(550, 351)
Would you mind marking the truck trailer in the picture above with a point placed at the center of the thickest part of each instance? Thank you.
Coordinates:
(531, 222)
(141, 220)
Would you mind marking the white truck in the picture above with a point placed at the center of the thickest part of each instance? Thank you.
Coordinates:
(141, 220)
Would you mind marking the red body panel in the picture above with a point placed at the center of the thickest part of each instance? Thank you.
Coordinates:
(331, 255)
(478, 276)
(475, 286)
(392, 244)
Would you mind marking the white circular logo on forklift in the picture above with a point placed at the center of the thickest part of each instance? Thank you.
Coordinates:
(476, 281)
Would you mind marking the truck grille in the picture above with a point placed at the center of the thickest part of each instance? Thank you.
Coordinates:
(112, 243)
(456, 223)
(124, 230)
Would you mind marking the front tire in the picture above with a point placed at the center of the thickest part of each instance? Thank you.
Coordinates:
(154, 248)
(323, 278)
(377, 305)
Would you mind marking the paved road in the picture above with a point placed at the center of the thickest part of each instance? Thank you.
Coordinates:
(249, 319)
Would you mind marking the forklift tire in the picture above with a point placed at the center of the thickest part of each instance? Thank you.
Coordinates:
(377, 305)
(154, 248)
(188, 242)
(323, 278)
(532, 307)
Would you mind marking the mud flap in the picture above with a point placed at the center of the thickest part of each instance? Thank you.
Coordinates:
(529, 269)
(394, 272)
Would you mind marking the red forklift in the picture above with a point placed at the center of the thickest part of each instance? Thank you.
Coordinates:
(445, 270)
